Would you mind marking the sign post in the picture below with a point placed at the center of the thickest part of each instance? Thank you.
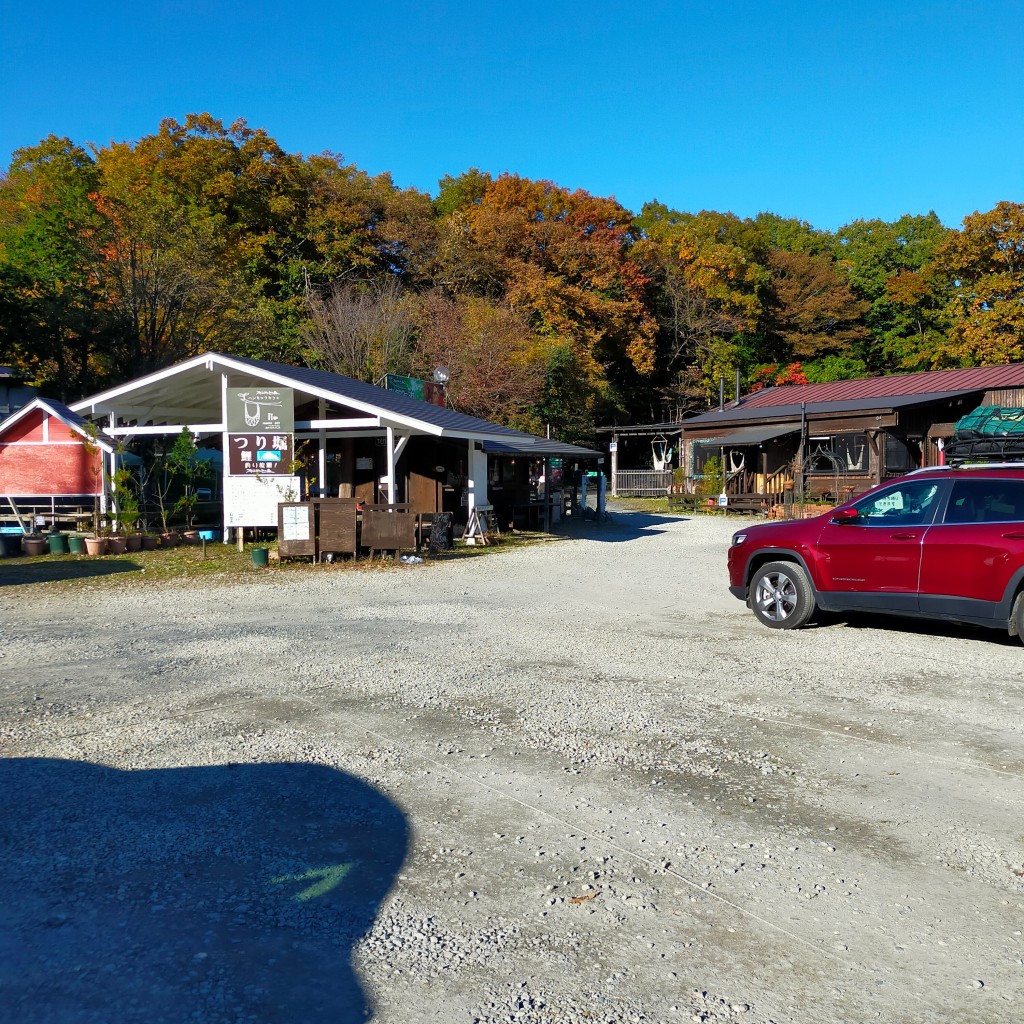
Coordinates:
(259, 459)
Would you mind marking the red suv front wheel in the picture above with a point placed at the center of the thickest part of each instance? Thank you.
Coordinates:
(781, 595)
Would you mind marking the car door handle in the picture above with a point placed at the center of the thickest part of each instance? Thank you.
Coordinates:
(1018, 535)
(904, 536)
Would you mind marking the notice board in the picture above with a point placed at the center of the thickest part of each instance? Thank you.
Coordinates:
(296, 529)
(253, 500)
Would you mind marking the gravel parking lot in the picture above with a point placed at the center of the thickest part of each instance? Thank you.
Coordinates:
(573, 782)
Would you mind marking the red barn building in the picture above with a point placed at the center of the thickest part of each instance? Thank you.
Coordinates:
(48, 462)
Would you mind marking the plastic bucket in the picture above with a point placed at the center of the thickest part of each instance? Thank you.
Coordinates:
(209, 535)
(58, 543)
(261, 556)
(76, 545)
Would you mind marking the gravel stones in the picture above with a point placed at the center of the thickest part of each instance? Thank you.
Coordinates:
(571, 782)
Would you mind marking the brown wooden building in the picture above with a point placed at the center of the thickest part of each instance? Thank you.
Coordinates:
(836, 439)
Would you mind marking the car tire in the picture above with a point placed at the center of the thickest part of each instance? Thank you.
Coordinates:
(1017, 617)
(781, 595)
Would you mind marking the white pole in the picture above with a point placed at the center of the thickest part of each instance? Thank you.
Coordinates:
(225, 448)
(112, 422)
(470, 482)
(391, 464)
(322, 441)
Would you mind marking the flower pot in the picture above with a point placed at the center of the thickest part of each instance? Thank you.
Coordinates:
(149, 542)
(169, 539)
(76, 545)
(96, 545)
(133, 542)
(190, 537)
(58, 543)
(117, 545)
(34, 545)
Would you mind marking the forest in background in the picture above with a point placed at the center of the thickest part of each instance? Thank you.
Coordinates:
(548, 306)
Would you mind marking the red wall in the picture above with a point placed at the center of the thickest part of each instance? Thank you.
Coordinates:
(28, 428)
(57, 467)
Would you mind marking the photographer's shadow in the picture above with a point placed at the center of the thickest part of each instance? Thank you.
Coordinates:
(229, 893)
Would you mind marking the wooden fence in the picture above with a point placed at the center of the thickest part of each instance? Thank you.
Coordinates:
(642, 483)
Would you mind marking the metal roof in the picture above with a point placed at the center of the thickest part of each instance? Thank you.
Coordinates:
(386, 401)
(744, 436)
(759, 413)
(189, 392)
(539, 448)
(975, 378)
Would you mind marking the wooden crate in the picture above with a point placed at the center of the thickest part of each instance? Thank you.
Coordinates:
(388, 527)
(337, 526)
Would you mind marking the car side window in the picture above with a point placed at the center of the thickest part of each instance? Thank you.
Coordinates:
(986, 501)
(909, 503)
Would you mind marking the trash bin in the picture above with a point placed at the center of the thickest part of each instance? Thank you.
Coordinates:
(76, 545)
(58, 543)
(261, 556)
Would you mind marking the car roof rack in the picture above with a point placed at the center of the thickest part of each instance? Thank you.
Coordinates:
(957, 464)
(1006, 450)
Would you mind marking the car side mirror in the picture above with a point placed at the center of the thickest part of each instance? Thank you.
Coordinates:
(846, 516)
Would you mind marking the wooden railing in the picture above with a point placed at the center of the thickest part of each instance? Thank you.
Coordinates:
(642, 483)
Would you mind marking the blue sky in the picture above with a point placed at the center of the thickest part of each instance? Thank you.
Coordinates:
(826, 110)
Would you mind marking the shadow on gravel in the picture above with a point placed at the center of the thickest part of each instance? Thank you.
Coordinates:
(619, 527)
(920, 627)
(214, 894)
(14, 572)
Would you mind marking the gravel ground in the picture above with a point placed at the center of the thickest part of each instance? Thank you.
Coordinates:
(574, 782)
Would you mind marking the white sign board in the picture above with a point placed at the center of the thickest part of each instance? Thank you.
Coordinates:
(253, 500)
(613, 446)
(295, 522)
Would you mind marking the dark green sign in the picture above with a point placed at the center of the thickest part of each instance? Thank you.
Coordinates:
(423, 390)
(261, 409)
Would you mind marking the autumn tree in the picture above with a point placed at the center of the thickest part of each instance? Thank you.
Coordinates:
(705, 290)
(985, 263)
(496, 363)
(52, 324)
(874, 253)
(362, 330)
(812, 312)
(919, 317)
(564, 262)
(168, 270)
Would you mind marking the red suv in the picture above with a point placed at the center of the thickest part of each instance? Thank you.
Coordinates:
(944, 543)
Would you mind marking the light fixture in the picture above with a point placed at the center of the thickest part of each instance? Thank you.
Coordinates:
(441, 375)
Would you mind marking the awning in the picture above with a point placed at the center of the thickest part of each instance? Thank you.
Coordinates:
(540, 448)
(743, 437)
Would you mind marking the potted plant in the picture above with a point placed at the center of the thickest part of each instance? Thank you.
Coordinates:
(34, 544)
(190, 470)
(180, 466)
(96, 545)
(126, 506)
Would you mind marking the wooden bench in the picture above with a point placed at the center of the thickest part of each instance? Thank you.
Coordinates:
(679, 501)
(756, 504)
